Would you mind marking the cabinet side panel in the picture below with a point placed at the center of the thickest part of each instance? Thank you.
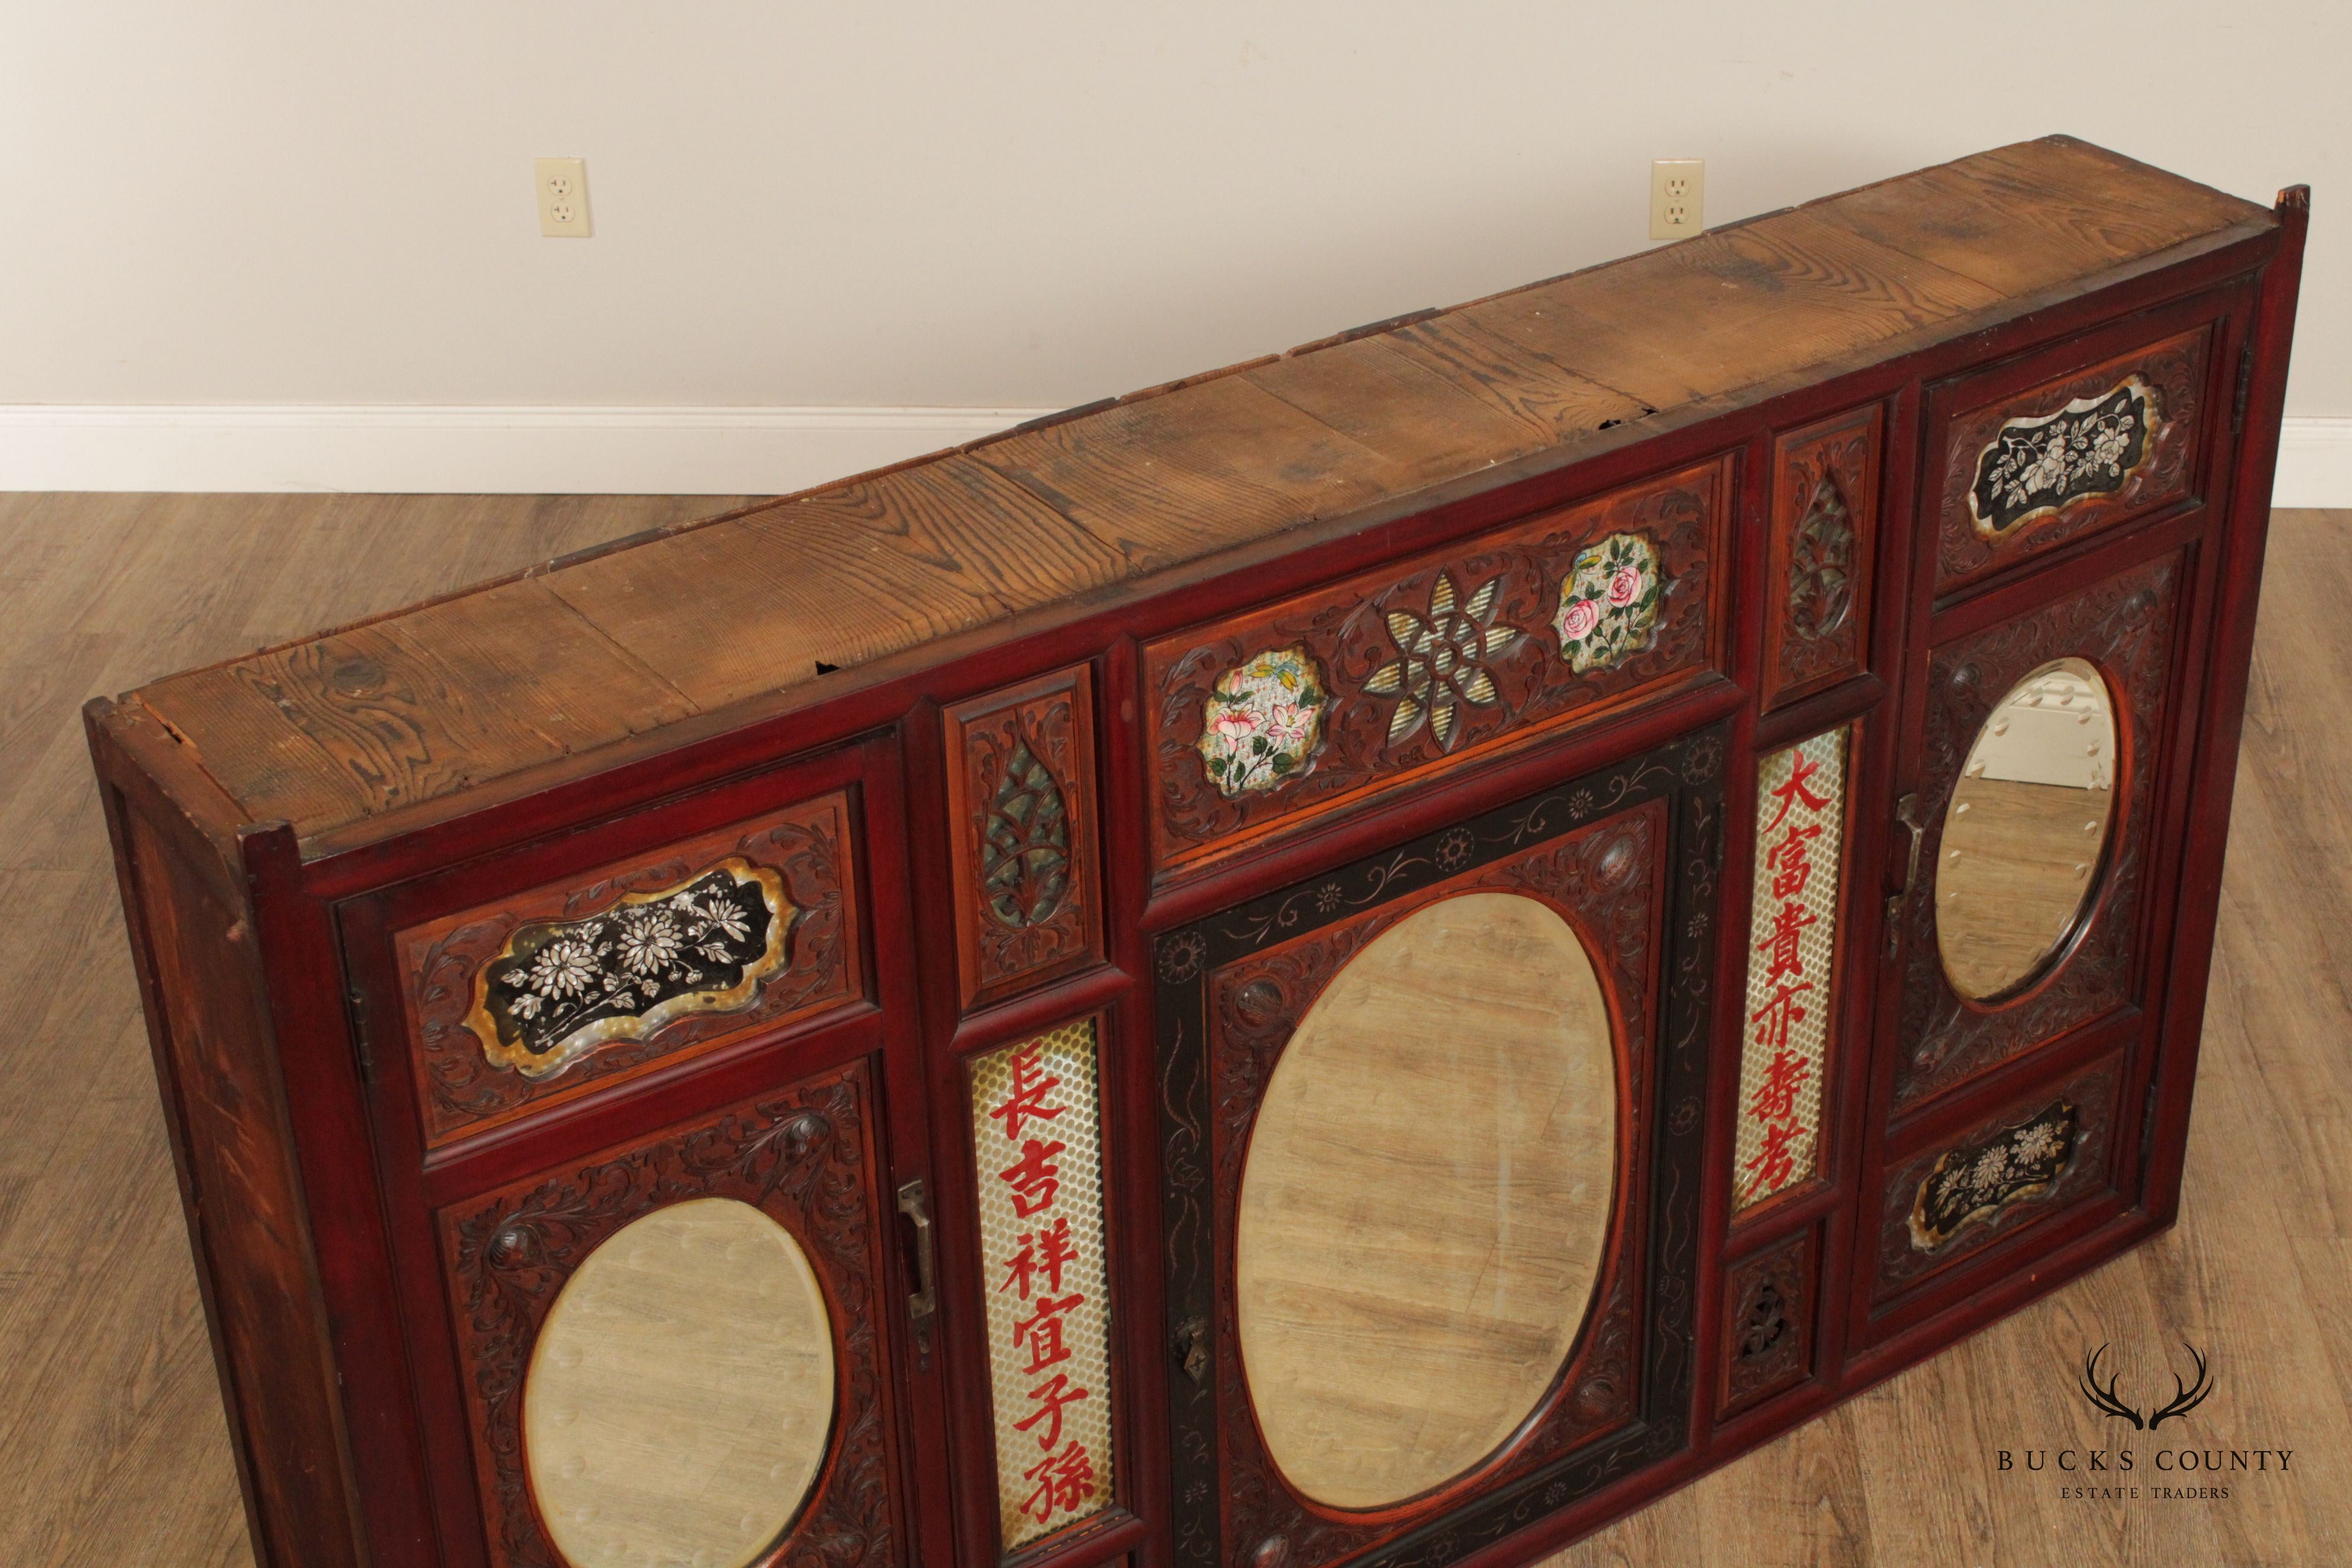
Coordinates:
(217, 1064)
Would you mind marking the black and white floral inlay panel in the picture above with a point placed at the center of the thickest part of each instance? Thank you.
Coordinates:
(560, 988)
(1977, 1180)
(2092, 447)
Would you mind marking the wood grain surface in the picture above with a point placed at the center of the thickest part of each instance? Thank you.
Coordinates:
(463, 696)
(111, 1438)
(1416, 1250)
(2020, 862)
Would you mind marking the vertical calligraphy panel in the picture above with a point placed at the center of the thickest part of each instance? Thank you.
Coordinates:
(1036, 1118)
(1792, 957)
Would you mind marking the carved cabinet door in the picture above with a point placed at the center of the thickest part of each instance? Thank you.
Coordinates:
(652, 1134)
(2071, 519)
(1429, 1138)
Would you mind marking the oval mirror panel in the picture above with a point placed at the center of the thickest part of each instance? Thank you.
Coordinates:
(1426, 1199)
(2026, 829)
(678, 1401)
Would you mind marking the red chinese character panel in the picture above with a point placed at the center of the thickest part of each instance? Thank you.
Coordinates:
(1037, 1125)
(1793, 948)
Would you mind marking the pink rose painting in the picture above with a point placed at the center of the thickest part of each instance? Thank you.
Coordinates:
(1608, 605)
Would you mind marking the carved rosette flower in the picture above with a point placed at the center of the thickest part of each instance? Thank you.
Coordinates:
(1442, 661)
(1261, 726)
(1609, 603)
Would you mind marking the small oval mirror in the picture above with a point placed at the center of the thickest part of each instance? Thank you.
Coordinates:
(2027, 829)
(680, 1396)
(1425, 1200)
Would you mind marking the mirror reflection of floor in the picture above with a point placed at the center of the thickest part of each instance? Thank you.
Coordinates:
(2014, 865)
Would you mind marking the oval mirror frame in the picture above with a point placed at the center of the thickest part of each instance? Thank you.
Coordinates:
(1417, 1254)
(679, 1404)
(2027, 834)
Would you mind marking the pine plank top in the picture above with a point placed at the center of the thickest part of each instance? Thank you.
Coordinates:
(443, 702)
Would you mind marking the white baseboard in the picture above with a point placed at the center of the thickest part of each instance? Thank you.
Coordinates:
(470, 451)
(2314, 463)
(607, 451)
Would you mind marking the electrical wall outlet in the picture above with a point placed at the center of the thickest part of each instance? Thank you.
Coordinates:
(1677, 197)
(563, 196)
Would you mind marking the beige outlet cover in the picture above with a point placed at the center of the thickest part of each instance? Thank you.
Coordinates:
(563, 196)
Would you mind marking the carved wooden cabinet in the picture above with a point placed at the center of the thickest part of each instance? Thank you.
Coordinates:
(1367, 959)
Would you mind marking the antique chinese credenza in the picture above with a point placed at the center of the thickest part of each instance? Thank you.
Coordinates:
(1370, 958)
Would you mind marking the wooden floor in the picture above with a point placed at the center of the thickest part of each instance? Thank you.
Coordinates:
(112, 1453)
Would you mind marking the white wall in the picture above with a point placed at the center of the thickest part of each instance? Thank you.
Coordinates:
(1001, 207)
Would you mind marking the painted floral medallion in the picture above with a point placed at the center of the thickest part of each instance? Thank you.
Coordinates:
(1261, 726)
(1608, 605)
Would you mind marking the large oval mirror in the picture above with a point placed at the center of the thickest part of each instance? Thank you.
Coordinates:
(2026, 829)
(680, 1399)
(1426, 1199)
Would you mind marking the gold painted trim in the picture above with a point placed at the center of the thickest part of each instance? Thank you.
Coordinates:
(538, 1067)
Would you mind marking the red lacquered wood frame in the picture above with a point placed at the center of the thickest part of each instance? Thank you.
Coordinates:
(331, 1317)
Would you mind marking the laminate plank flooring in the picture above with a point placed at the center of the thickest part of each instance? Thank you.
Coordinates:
(112, 1449)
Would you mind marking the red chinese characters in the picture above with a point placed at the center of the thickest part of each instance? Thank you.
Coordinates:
(1039, 1274)
(1788, 987)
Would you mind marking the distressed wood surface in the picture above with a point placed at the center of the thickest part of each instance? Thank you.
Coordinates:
(426, 707)
(111, 1429)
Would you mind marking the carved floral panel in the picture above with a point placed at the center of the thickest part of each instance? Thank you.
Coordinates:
(1824, 537)
(2028, 471)
(1767, 1321)
(803, 1156)
(2125, 625)
(1286, 711)
(2038, 1157)
(1021, 811)
(544, 994)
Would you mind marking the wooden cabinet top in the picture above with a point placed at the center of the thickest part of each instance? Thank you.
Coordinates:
(835, 599)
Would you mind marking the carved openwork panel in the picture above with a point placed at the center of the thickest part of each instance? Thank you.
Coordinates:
(2124, 627)
(1289, 710)
(1768, 1306)
(1824, 534)
(1036, 1129)
(805, 1157)
(2027, 472)
(2044, 1153)
(545, 993)
(1793, 981)
(1628, 859)
(1021, 799)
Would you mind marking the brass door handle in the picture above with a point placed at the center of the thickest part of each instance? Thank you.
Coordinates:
(1907, 815)
(913, 1201)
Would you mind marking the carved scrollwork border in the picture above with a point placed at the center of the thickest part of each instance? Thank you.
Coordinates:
(808, 845)
(2125, 625)
(1347, 632)
(804, 1156)
(1623, 1403)
(2175, 369)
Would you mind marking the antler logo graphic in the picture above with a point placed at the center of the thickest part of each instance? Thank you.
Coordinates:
(2186, 1397)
